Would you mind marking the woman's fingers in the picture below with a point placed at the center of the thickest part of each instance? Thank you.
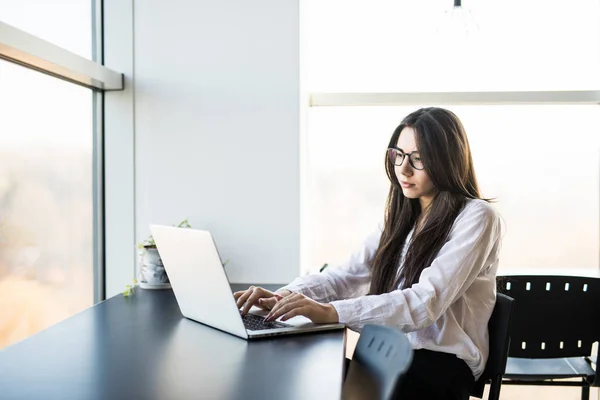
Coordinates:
(268, 303)
(279, 304)
(297, 304)
(237, 295)
(244, 296)
(284, 306)
(257, 294)
(302, 310)
(252, 297)
(242, 299)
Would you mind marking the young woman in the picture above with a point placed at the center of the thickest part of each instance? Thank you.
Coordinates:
(429, 271)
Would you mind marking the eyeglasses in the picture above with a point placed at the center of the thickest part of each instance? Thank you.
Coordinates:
(396, 157)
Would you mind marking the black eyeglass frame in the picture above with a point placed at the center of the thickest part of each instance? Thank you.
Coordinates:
(404, 155)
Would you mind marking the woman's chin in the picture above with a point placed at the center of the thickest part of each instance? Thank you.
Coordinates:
(410, 193)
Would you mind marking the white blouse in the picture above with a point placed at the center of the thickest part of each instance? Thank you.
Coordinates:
(447, 310)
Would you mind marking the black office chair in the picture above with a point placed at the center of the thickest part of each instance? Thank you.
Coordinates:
(381, 358)
(498, 328)
(555, 323)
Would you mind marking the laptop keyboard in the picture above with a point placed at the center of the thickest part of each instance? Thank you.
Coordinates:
(254, 322)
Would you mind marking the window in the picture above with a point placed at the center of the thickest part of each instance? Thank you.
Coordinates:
(547, 196)
(494, 57)
(51, 169)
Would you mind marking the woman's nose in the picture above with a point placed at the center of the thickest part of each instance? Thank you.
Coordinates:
(406, 168)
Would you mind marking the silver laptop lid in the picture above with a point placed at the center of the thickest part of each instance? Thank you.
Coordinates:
(198, 278)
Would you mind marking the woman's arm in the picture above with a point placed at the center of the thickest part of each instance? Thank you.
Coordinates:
(459, 262)
(350, 279)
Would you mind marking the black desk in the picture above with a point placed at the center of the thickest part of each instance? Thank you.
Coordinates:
(142, 348)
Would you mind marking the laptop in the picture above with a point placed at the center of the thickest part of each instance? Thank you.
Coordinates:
(202, 290)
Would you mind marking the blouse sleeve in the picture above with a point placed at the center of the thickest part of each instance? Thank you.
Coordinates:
(348, 280)
(456, 266)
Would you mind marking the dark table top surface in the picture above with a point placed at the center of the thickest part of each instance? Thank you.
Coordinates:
(141, 347)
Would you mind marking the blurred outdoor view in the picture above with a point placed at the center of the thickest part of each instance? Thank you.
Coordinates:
(46, 231)
(46, 204)
(540, 164)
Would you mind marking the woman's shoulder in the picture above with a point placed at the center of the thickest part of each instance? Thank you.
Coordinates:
(480, 209)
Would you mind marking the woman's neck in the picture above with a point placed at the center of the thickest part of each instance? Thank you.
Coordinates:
(423, 215)
(425, 202)
(421, 220)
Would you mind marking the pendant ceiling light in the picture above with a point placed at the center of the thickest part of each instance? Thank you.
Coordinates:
(458, 22)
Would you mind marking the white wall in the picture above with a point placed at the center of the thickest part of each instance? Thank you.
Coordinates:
(217, 127)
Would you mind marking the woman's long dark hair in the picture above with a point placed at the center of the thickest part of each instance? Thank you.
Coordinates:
(444, 148)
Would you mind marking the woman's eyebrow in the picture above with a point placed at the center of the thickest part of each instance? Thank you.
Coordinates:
(414, 151)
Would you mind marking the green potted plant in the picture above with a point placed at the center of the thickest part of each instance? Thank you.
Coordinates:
(152, 271)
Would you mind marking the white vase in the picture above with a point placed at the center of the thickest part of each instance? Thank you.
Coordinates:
(152, 271)
(150, 256)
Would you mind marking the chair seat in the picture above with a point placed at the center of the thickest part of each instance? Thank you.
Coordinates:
(527, 369)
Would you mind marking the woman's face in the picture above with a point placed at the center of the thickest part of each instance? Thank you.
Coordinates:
(415, 183)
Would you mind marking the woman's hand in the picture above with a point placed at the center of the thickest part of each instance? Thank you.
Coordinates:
(298, 304)
(259, 297)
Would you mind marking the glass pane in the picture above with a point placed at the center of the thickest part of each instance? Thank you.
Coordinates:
(46, 207)
(65, 23)
(541, 164)
(391, 46)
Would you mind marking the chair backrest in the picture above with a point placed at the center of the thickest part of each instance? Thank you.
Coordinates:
(555, 316)
(499, 340)
(381, 358)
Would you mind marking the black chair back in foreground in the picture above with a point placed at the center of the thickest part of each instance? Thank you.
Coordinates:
(381, 358)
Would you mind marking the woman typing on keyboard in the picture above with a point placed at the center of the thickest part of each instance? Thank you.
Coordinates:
(429, 270)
